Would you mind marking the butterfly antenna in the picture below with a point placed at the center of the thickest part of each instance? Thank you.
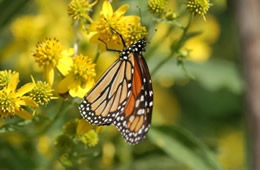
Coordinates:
(140, 14)
(150, 39)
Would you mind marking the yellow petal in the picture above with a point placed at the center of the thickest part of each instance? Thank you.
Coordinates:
(131, 19)
(27, 101)
(49, 75)
(92, 28)
(24, 89)
(63, 85)
(83, 127)
(24, 114)
(78, 91)
(107, 9)
(66, 61)
(68, 52)
(121, 11)
(13, 82)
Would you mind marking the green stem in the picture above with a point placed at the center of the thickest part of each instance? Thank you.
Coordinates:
(175, 48)
(62, 109)
(76, 43)
(14, 125)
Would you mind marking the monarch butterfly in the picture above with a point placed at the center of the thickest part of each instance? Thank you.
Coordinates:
(123, 96)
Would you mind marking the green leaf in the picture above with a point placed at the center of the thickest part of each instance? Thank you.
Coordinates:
(9, 9)
(184, 147)
(212, 75)
(191, 35)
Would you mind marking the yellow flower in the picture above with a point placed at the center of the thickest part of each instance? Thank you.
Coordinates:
(83, 127)
(41, 93)
(157, 6)
(80, 78)
(110, 22)
(79, 9)
(12, 100)
(200, 50)
(198, 7)
(50, 54)
(133, 32)
(90, 138)
(5, 77)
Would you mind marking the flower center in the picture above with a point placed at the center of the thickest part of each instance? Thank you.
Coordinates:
(78, 9)
(157, 6)
(48, 52)
(42, 93)
(133, 33)
(83, 68)
(5, 78)
(198, 7)
(7, 104)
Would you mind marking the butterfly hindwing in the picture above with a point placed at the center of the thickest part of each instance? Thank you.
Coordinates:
(134, 121)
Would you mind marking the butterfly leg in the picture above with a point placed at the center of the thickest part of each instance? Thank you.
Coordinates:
(121, 37)
(109, 49)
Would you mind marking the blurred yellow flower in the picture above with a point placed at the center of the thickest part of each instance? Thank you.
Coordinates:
(43, 145)
(80, 79)
(201, 46)
(79, 9)
(111, 23)
(90, 138)
(232, 150)
(27, 28)
(5, 77)
(200, 50)
(198, 7)
(12, 100)
(42, 92)
(50, 54)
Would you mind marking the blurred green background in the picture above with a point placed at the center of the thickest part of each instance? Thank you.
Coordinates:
(197, 124)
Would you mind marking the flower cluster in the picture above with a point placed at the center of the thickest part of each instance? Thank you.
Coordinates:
(77, 132)
(78, 71)
(80, 78)
(160, 8)
(42, 92)
(13, 101)
(49, 54)
(112, 23)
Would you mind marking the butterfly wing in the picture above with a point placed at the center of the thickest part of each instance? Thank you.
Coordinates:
(134, 121)
(108, 98)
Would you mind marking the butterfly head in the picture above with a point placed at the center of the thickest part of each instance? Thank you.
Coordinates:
(139, 46)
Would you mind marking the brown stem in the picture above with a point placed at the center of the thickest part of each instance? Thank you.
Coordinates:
(247, 14)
